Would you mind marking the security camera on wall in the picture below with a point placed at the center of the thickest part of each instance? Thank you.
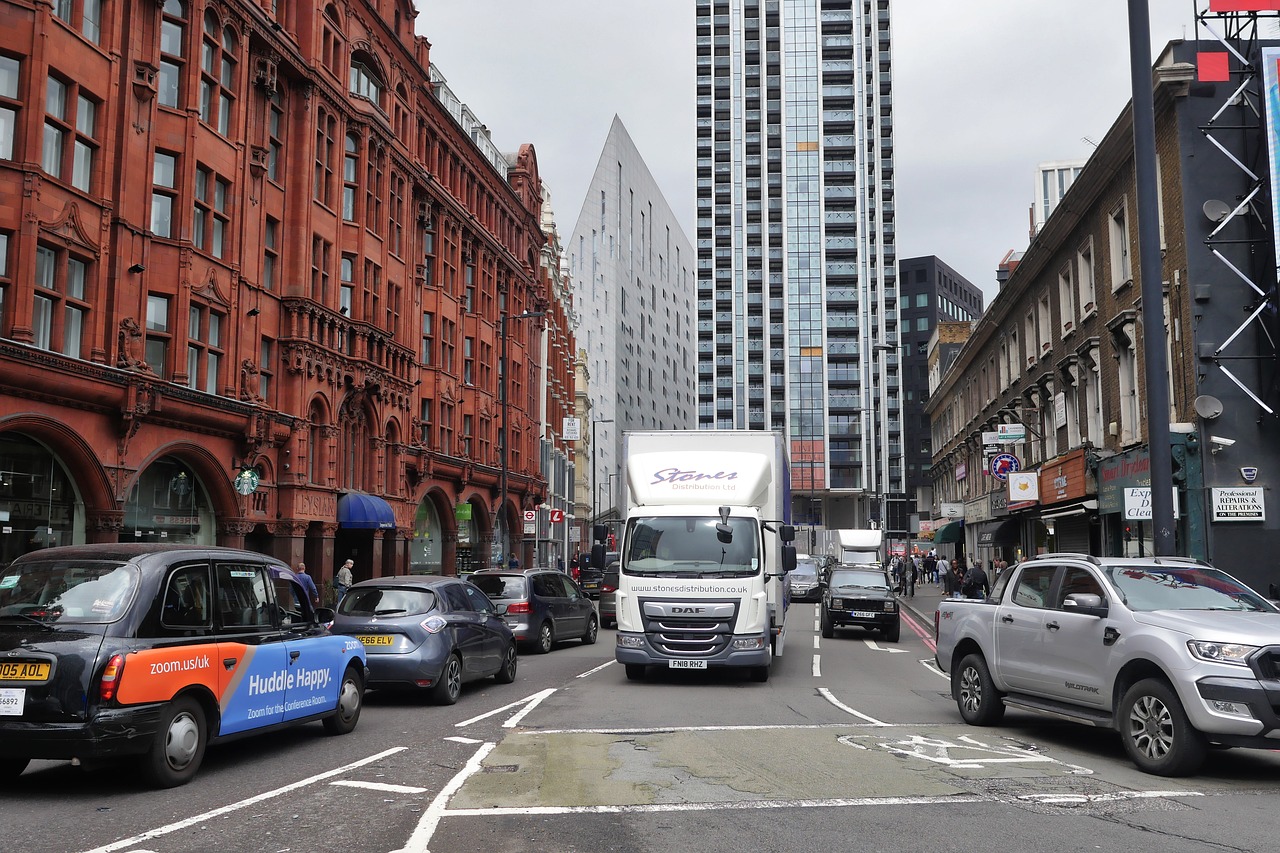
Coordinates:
(1222, 442)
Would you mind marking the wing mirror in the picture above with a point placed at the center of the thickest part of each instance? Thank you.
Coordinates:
(1085, 602)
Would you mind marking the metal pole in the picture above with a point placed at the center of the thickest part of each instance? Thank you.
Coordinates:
(1153, 320)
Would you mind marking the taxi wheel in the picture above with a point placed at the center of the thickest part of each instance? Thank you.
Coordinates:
(507, 673)
(449, 685)
(11, 769)
(593, 628)
(350, 701)
(178, 748)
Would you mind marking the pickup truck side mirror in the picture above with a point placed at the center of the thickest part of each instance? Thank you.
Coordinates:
(1085, 602)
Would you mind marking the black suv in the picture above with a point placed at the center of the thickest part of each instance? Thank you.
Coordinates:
(859, 597)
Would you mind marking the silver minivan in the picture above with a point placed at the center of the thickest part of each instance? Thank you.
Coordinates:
(540, 606)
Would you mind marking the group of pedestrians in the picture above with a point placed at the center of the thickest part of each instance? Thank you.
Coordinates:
(958, 578)
(341, 580)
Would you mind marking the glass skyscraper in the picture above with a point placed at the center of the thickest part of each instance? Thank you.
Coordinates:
(797, 286)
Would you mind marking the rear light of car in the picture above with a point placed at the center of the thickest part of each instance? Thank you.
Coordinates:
(434, 624)
(519, 607)
(607, 588)
(111, 678)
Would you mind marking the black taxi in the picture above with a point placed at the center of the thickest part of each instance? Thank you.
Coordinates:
(155, 651)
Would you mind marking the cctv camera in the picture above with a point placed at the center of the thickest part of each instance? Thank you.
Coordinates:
(1222, 442)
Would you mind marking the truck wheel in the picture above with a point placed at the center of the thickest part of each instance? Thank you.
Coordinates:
(178, 747)
(1156, 732)
(350, 700)
(893, 634)
(759, 674)
(976, 696)
(635, 672)
(828, 629)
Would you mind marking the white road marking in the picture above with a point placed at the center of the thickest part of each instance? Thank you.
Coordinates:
(431, 818)
(1077, 799)
(534, 699)
(932, 666)
(817, 642)
(872, 644)
(710, 807)
(843, 707)
(968, 753)
(379, 786)
(267, 795)
(456, 739)
(670, 729)
(817, 666)
(816, 626)
(597, 669)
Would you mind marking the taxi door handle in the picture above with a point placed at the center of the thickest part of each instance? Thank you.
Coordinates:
(293, 656)
(229, 663)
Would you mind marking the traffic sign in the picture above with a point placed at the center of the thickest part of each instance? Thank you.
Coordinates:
(530, 515)
(557, 516)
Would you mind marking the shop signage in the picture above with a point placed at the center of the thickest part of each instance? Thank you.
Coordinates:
(571, 429)
(1137, 503)
(1064, 479)
(1024, 486)
(1011, 433)
(998, 503)
(1239, 504)
(953, 510)
(246, 482)
(1059, 410)
(1117, 473)
(462, 512)
(1004, 464)
(962, 470)
(990, 439)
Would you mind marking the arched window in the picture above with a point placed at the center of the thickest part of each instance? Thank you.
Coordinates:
(365, 80)
(217, 74)
(173, 40)
(315, 443)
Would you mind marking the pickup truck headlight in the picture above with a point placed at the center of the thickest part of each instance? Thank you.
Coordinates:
(1232, 653)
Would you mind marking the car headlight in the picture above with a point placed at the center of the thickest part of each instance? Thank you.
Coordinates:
(1232, 653)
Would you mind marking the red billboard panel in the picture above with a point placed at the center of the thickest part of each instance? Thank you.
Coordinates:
(1244, 5)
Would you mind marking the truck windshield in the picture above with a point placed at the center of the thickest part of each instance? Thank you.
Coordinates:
(1147, 588)
(690, 547)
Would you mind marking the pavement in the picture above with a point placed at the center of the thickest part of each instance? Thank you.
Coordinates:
(924, 602)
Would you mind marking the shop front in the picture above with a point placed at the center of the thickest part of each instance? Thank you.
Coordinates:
(1068, 504)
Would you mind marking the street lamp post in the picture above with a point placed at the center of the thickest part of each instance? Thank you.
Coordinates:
(594, 485)
(609, 487)
(502, 398)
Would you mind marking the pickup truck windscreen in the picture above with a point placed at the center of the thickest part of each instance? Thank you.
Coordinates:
(1182, 588)
(689, 547)
(844, 581)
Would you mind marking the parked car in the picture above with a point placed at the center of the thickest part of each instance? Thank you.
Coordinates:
(859, 597)
(540, 606)
(424, 632)
(608, 602)
(1171, 652)
(804, 580)
(156, 651)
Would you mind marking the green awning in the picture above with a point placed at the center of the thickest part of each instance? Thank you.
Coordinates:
(953, 532)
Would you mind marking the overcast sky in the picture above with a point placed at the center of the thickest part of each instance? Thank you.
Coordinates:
(982, 93)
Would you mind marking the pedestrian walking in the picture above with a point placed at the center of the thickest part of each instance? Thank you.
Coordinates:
(308, 584)
(976, 584)
(342, 580)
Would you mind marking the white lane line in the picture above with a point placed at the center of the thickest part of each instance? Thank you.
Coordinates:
(597, 669)
(817, 642)
(534, 701)
(745, 805)
(227, 809)
(843, 707)
(431, 817)
(933, 667)
(874, 646)
(817, 666)
(670, 729)
(816, 625)
(536, 697)
(379, 786)
(1074, 799)
(456, 739)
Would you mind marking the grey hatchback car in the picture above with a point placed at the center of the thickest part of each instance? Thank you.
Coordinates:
(540, 606)
(427, 632)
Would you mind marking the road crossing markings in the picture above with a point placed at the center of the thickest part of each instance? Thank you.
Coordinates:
(817, 666)
(232, 807)
(597, 669)
(426, 827)
(826, 694)
(529, 703)
(379, 786)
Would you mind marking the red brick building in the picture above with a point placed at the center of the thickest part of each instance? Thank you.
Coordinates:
(245, 236)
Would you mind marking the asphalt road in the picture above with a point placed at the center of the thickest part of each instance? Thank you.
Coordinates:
(852, 743)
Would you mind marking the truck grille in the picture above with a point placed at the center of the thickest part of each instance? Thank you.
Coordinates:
(1268, 664)
(688, 635)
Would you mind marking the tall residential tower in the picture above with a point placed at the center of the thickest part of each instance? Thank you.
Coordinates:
(797, 290)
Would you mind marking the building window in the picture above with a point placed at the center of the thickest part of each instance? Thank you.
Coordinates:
(55, 127)
(61, 305)
(83, 14)
(375, 165)
(446, 429)
(266, 368)
(467, 430)
(1084, 281)
(365, 82)
(447, 345)
(9, 71)
(1066, 300)
(346, 284)
(211, 223)
(424, 420)
(270, 253)
(158, 333)
(1127, 376)
(428, 342)
(275, 136)
(372, 292)
(350, 174)
(164, 180)
(468, 361)
(204, 349)
(320, 250)
(326, 130)
(428, 256)
(173, 35)
(396, 242)
(1121, 267)
(469, 293)
(217, 74)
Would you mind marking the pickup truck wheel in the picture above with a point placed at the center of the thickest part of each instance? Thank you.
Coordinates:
(1156, 732)
(976, 694)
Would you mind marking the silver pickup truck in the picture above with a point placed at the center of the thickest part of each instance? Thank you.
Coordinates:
(1171, 652)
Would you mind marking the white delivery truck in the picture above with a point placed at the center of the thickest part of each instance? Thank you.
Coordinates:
(851, 547)
(706, 543)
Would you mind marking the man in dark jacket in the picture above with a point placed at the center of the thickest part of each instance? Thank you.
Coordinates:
(976, 584)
